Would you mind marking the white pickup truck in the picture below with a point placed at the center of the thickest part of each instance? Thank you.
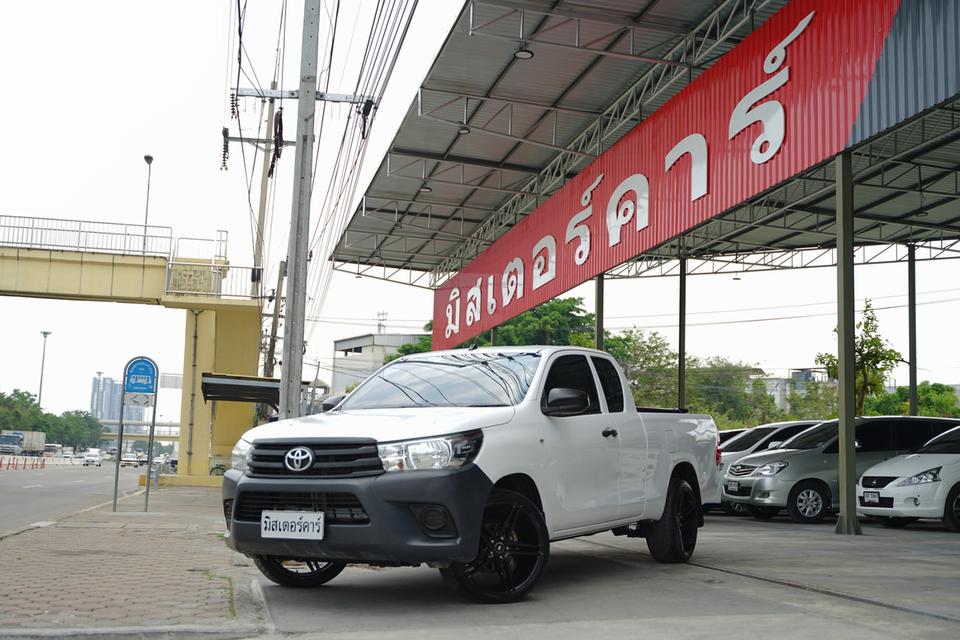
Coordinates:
(472, 462)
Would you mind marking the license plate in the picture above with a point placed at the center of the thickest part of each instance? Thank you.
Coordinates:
(733, 486)
(871, 497)
(297, 525)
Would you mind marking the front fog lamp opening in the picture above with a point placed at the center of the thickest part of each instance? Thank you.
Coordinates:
(434, 520)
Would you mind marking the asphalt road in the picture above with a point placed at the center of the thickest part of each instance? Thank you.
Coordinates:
(29, 496)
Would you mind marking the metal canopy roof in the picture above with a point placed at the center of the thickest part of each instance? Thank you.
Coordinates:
(490, 136)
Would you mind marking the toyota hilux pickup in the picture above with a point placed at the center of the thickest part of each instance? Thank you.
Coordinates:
(472, 462)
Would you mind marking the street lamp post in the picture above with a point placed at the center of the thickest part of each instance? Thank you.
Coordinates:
(146, 214)
(43, 361)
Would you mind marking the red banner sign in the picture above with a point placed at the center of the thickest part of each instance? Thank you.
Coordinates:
(783, 100)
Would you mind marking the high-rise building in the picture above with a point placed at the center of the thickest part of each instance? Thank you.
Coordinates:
(106, 398)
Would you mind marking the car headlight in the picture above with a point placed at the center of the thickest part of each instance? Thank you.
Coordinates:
(436, 453)
(770, 469)
(241, 455)
(930, 475)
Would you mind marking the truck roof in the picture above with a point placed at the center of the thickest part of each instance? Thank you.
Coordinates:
(543, 350)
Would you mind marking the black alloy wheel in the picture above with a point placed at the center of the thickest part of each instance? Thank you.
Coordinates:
(298, 573)
(513, 552)
(762, 513)
(951, 509)
(892, 522)
(673, 537)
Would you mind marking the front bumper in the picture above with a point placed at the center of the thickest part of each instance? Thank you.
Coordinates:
(917, 501)
(392, 533)
(769, 491)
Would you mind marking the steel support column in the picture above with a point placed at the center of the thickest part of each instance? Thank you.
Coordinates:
(598, 317)
(912, 324)
(682, 340)
(847, 524)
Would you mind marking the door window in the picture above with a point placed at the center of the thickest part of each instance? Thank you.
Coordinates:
(911, 434)
(874, 436)
(572, 372)
(610, 382)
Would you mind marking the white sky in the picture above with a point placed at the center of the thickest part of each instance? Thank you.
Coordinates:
(101, 84)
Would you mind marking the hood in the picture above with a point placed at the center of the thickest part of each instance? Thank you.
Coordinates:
(912, 464)
(757, 459)
(385, 425)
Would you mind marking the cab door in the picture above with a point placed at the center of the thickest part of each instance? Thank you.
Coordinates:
(583, 453)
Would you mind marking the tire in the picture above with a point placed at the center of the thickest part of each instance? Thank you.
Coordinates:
(513, 553)
(762, 513)
(808, 502)
(298, 573)
(673, 537)
(891, 522)
(951, 509)
(733, 508)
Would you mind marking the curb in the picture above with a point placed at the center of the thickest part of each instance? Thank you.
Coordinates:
(168, 632)
(40, 525)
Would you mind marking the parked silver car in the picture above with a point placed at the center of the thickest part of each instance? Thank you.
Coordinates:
(760, 438)
(802, 476)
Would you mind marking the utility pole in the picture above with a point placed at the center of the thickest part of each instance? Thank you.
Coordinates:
(296, 303)
(262, 213)
(275, 323)
(381, 321)
(43, 361)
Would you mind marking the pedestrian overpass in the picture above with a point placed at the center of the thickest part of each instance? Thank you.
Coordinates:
(145, 264)
(140, 429)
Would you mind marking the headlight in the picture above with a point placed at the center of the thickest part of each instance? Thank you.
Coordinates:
(241, 455)
(770, 469)
(436, 453)
(930, 475)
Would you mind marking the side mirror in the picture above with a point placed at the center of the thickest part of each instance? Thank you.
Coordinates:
(563, 402)
(856, 444)
(330, 403)
(775, 444)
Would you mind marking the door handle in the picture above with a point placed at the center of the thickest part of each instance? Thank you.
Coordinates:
(607, 433)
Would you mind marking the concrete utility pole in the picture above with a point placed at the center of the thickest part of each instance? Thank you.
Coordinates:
(296, 303)
(262, 213)
(146, 210)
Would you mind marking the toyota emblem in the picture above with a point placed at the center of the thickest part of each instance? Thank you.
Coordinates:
(299, 459)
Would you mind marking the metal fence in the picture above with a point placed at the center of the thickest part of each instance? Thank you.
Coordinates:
(216, 279)
(83, 235)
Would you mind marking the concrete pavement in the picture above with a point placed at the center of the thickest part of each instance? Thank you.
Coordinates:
(130, 574)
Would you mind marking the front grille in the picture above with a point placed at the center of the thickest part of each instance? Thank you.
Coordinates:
(332, 458)
(886, 503)
(742, 492)
(740, 470)
(338, 508)
(876, 482)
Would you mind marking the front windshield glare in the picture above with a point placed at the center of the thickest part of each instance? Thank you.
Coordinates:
(812, 438)
(450, 380)
(949, 442)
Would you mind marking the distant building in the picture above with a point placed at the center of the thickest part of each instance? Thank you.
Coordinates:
(795, 382)
(356, 358)
(106, 398)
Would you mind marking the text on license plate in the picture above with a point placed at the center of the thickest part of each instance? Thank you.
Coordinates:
(871, 497)
(298, 525)
(733, 486)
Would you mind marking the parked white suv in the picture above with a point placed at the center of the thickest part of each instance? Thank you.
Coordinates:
(472, 462)
(922, 484)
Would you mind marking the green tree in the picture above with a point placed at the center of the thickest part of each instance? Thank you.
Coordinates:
(933, 399)
(649, 364)
(559, 321)
(874, 358)
(763, 408)
(813, 401)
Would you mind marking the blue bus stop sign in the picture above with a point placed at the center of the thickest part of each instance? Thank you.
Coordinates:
(140, 376)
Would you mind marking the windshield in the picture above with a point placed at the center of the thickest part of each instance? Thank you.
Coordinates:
(450, 380)
(9, 439)
(814, 437)
(948, 442)
(747, 439)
